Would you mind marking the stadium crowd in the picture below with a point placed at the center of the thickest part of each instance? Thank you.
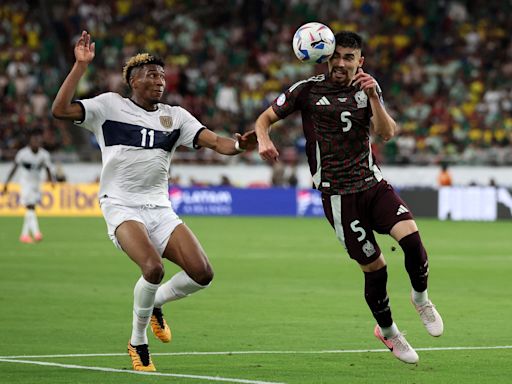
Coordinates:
(445, 68)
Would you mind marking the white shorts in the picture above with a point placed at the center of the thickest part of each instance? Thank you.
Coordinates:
(160, 222)
(30, 196)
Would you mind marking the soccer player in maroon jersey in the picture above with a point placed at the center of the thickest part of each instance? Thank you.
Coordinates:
(339, 110)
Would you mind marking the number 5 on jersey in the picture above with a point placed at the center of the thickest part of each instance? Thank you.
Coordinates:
(345, 120)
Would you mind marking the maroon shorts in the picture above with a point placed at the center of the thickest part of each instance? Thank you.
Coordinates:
(354, 217)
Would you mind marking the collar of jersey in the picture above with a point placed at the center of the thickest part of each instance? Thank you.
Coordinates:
(140, 106)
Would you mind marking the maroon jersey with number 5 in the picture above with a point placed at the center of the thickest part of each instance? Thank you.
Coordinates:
(336, 123)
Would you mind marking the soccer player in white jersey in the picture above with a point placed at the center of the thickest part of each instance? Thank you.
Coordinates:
(31, 160)
(137, 137)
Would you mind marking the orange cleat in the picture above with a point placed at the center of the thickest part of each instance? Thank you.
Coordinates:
(141, 359)
(159, 326)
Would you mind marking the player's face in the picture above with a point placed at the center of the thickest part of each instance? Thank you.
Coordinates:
(35, 142)
(344, 63)
(148, 84)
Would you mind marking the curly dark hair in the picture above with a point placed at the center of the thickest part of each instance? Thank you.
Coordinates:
(139, 60)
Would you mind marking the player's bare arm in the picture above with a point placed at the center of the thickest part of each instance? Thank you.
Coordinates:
(9, 177)
(225, 145)
(382, 124)
(62, 107)
(50, 177)
(266, 147)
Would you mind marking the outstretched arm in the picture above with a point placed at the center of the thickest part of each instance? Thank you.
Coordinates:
(9, 177)
(225, 145)
(266, 149)
(62, 107)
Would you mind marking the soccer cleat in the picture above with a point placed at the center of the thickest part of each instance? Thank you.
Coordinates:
(430, 317)
(26, 239)
(398, 346)
(38, 236)
(141, 359)
(159, 326)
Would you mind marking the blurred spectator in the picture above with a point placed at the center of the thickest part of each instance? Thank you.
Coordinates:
(293, 180)
(60, 175)
(278, 178)
(445, 68)
(225, 181)
(445, 178)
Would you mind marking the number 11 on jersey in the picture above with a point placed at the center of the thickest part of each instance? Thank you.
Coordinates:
(151, 135)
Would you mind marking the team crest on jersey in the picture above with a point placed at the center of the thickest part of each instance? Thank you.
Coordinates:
(361, 99)
(166, 121)
(368, 248)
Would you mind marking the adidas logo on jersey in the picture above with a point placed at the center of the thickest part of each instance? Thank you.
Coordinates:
(401, 210)
(323, 101)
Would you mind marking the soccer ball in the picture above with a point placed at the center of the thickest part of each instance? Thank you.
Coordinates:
(313, 43)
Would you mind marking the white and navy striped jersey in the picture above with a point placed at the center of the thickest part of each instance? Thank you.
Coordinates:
(137, 146)
(31, 165)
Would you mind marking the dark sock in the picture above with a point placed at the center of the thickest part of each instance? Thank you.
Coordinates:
(416, 261)
(377, 297)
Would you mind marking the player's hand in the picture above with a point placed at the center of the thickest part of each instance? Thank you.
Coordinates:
(268, 151)
(4, 190)
(84, 49)
(247, 141)
(366, 82)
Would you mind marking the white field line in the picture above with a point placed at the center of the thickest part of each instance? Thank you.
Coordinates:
(467, 348)
(102, 369)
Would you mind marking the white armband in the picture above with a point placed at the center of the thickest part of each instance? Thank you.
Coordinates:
(237, 147)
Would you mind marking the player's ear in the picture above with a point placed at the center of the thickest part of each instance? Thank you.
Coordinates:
(361, 61)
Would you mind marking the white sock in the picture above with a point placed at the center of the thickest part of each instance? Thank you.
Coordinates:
(26, 224)
(178, 286)
(143, 299)
(420, 298)
(388, 332)
(32, 222)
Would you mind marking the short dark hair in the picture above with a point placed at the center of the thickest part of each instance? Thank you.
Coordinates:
(349, 39)
(35, 132)
(139, 60)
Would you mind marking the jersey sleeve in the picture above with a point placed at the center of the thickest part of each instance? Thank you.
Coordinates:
(189, 128)
(94, 111)
(290, 100)
(18, 159)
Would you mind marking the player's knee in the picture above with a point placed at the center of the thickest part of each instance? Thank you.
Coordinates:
(204, 275)
(153, 272)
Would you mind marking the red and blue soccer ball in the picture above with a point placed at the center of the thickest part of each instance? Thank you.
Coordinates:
(313, 43)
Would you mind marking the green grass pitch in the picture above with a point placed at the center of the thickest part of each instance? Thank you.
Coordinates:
(282, 285)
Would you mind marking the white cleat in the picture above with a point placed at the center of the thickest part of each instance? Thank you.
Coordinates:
(430, 317)
(398, 346)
